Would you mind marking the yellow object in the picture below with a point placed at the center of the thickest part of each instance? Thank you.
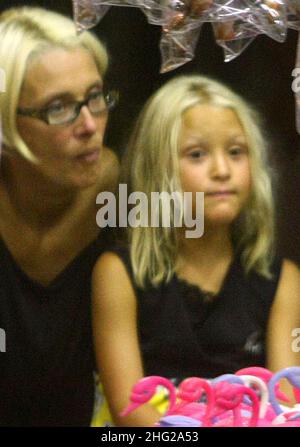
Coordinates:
(102, 416)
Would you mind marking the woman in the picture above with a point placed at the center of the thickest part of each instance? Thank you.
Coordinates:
(54, 113)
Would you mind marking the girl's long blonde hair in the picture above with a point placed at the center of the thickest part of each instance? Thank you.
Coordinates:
(151, 164)
(25, 33)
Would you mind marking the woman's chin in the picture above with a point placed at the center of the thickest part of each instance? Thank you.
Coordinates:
(76, 183)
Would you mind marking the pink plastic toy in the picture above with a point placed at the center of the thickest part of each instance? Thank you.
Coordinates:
(191, 390)
(230, 397)
(246, 399)
(143, 391)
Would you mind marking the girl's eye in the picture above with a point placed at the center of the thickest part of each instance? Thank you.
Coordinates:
(237, 150)
(196, 154)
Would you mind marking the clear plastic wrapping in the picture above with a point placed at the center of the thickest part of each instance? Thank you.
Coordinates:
(235, 24)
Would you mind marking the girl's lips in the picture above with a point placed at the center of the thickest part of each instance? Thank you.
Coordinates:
(220, 194)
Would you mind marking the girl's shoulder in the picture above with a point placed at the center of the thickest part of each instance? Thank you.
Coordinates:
(289, 276)
(275, 270)
(283, 282)
(112, 288)
(114, 259)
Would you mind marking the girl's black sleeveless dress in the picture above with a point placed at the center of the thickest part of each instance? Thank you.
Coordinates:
(186, 332)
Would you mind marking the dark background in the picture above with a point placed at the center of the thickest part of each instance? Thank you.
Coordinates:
(262, 74)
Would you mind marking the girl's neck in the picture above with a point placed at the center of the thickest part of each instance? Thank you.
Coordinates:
(215, 245)
(205, 262)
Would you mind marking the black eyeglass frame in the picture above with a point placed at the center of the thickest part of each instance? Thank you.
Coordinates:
(111, 99)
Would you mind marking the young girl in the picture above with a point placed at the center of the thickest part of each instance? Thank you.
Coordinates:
(177, 306)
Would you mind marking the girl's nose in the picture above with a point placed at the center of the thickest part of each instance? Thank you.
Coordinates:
(220, 167)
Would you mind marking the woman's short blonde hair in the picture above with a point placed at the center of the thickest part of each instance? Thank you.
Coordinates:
(26, 32)
(151, 164)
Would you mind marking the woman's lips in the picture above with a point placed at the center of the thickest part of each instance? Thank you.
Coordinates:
(89, 157)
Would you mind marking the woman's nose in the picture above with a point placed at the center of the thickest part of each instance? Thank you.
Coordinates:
(86, 122)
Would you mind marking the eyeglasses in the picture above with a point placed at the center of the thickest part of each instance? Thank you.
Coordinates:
(61, 113)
